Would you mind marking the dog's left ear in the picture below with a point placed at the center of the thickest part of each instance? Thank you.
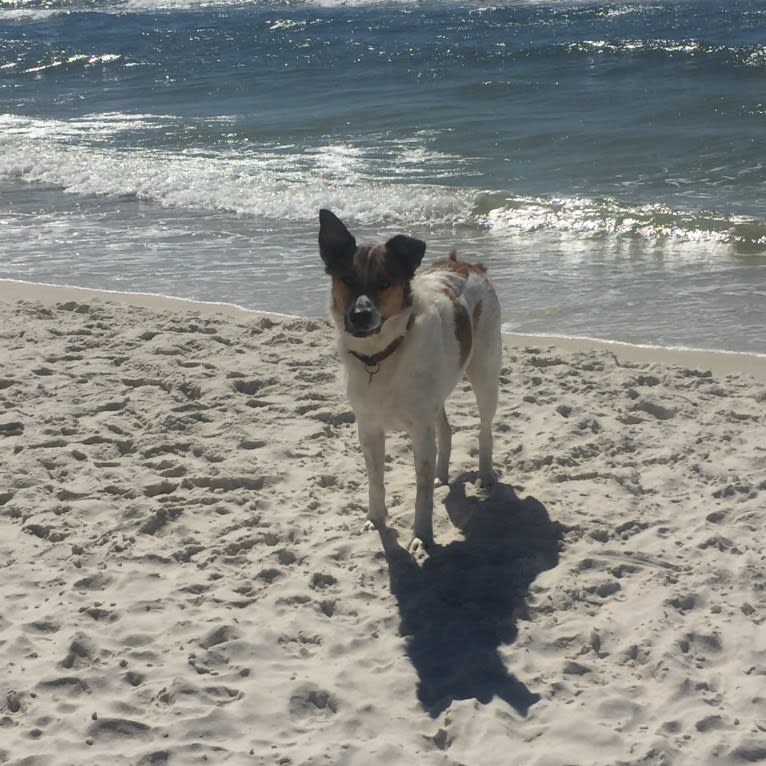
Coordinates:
(408, 250)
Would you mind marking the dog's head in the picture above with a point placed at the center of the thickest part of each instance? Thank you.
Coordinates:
(370, 283)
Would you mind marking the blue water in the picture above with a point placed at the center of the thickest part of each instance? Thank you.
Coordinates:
(606, 161)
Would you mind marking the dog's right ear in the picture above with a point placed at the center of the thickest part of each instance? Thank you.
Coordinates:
(335, 241)
(408, 250)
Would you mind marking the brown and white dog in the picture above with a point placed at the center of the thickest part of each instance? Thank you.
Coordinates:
(405, 340)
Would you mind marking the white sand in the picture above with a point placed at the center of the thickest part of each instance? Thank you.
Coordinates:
(183, 580)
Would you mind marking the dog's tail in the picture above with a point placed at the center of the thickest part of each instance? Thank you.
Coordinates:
(475, 266)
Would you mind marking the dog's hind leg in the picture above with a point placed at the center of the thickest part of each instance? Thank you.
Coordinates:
(483, 372)
(373, 442)
(444, 442)
(486, 396)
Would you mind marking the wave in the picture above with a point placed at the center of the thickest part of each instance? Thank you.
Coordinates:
(43, 8)
(65, 62)
(487, 18)
(40, 9)
(748, 55)
(610, 217)
(388, 181)
(281, 182)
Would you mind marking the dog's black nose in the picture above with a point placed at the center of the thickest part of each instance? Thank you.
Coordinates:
(362, 317)
(362, 310)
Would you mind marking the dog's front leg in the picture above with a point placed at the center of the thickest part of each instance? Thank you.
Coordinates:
(424, 451)
(373, 441)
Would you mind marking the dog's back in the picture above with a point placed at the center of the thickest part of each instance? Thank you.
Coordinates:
(467, 302)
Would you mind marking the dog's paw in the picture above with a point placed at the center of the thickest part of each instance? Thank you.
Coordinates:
(418, 547)
(371, 526)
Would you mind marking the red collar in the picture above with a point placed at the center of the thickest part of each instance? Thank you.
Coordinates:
(374, 361)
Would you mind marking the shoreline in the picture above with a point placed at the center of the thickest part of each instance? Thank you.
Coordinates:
(720, 362)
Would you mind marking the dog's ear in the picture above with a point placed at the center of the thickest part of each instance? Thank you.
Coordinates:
(335, 241)
(408, 250)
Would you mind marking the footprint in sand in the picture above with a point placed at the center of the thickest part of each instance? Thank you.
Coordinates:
(309, 700)
(109, 728)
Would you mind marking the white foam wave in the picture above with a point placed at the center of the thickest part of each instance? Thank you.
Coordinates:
(281, 182)
(379, 182)
(606, 216)
(43, 9)
(31, 10)
(77, 59)
(28, 14)
(745, 55)
(93, 127)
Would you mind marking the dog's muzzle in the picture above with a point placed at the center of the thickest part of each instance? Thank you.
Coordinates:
(362, 317)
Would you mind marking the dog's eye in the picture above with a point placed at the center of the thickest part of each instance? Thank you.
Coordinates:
(348, 281)
(384, 285)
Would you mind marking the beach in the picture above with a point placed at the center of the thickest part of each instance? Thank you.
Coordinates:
(184, 579)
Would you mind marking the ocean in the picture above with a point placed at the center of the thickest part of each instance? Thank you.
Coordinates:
(605, 160)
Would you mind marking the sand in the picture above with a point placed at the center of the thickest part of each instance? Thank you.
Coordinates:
(183, 579)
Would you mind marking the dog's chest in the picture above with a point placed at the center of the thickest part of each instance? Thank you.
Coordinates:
(390, 398)
(404, 390)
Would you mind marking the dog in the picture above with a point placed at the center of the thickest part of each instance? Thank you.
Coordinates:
(405, 340)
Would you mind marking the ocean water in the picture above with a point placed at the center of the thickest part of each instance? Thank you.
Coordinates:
(605, 160)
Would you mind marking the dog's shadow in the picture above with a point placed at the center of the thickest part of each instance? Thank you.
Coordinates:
(461, 605)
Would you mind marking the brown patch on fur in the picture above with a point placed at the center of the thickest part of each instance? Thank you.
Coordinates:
(341, 295)
(463, 324)
(463, 331)
(394, 300)
(363, 257)
(456, 267)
